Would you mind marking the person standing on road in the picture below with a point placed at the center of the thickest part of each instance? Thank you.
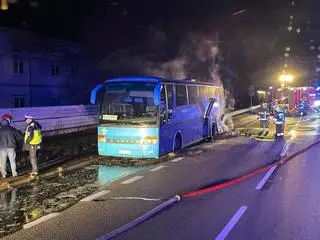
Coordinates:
(32, 141)
(9, 138)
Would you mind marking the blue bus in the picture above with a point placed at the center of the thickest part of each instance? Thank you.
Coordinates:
(148, 117)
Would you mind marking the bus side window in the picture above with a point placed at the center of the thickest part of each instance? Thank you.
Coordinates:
(203, 97)
(193, 95)
(181, 98)
(163, 105)
(209, 92)
(169, 90)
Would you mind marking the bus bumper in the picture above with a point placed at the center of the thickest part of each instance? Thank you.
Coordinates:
(128, 150)
(128, 142)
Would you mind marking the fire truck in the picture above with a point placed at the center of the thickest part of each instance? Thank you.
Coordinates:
(296, 99)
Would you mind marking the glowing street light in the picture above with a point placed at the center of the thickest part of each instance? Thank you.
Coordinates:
(4, 4)
(286, 78)
(261, 92)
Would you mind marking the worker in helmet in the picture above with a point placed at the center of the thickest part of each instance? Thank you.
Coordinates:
(263, 117)
(32, 141)
(280, 118)
(9, 138)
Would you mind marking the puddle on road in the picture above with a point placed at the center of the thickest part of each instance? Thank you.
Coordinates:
(22, 205)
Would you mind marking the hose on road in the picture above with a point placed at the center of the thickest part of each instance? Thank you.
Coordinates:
(229, 183)
(140, 219)
(201, 191)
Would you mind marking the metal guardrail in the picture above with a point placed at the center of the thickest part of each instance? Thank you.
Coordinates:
(66, 119)
(58, 119)
(242, 111)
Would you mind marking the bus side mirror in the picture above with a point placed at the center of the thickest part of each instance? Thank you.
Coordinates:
(93, 97)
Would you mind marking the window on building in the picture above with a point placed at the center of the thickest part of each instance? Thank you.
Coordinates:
(182, 98)
(17, 66)
(54, 70)
(193, 95)
(19, 101)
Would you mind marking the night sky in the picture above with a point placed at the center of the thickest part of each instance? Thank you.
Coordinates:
(106, 25)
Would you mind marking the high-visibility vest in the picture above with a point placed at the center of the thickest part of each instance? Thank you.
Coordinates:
(37, 137)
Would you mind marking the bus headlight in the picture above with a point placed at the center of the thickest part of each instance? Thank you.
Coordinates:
(101, 138)
(150, 140)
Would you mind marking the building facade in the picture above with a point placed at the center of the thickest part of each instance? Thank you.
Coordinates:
(35, 71)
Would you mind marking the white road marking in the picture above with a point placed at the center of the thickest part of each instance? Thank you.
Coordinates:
(94, 196)
(157, 168)
(136, 198)
(177, 159)
(40, 220)
(285, 149)
(265, 178)
(131, 180)
(227, 229)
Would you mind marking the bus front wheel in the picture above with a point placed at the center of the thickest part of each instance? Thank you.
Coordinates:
(177, 143)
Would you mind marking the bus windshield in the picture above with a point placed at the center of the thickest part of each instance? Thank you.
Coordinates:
(129, 103)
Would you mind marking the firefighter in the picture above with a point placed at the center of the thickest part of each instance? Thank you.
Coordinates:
(32, 141)
(263, 116)
(280, 117)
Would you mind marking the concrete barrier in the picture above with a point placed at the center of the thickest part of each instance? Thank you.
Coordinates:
(58, 119)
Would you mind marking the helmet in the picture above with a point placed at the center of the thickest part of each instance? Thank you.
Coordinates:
(7, 117)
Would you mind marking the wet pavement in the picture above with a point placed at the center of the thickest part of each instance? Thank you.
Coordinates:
(19, 206)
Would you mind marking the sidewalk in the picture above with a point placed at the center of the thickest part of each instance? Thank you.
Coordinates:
(63, 151)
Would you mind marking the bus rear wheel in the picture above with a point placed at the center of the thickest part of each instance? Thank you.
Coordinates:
(177, 143)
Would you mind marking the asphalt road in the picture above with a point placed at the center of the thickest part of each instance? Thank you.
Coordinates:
(286, 207)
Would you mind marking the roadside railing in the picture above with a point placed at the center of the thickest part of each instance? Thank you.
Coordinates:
(67, 119)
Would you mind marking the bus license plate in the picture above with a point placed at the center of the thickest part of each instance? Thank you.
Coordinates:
(110, 117)
(127, 152)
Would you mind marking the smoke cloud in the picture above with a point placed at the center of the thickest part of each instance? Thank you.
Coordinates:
(195, 57)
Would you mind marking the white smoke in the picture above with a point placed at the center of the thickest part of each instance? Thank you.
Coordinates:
(196, 58)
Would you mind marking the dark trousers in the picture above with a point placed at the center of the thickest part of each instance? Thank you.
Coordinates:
(33, 157)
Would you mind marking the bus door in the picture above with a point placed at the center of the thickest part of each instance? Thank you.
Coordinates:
(208, 119)
(166, 124)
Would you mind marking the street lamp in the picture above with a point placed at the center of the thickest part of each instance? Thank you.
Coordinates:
(286, 78)
(4, 4)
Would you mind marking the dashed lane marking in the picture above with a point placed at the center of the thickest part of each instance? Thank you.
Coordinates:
(131, 180)
(157, 168)
(95, 196)
(265, 178)
(177, 159)
(40, 220)
(233, 221)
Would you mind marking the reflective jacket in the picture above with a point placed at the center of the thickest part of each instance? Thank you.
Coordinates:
(32, 134)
